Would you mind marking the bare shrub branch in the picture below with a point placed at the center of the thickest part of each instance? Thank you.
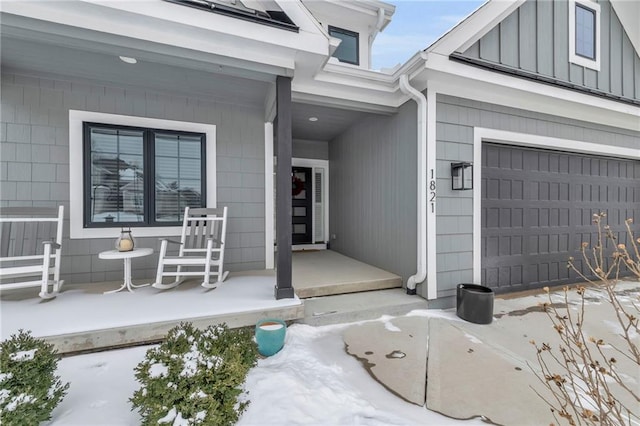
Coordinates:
(584, 382)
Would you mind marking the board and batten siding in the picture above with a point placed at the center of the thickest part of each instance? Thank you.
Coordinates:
(34, 169)
(372, 179)
(535, 38)
(456, 119)
(316, 150)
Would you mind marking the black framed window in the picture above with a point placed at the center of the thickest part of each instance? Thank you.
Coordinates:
(585, 32)
(140, 176)
(348, 50)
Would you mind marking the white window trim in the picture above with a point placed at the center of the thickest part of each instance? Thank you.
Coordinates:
(577, 59)
(481, 135)
(76, 169)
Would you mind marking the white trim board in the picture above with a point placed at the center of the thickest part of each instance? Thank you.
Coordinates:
(481, 135)
(593, 64)
(76, 169)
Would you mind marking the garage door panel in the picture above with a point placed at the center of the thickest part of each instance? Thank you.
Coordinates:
(537, 209)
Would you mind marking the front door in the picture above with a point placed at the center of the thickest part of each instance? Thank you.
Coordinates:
(302, 205)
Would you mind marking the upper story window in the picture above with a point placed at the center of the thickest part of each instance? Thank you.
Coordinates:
(138, 176)
(348, 50)
(584, 33)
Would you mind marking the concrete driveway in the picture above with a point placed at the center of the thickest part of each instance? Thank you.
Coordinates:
(488, 371)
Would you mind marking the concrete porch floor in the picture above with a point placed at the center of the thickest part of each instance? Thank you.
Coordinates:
(82, 318)
(326, 272)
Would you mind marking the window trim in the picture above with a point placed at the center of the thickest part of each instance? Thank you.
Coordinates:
(77, 166)
(575, 58)
(348, 33)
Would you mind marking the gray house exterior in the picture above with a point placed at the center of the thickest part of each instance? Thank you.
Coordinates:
(552, 138)
(532, 203)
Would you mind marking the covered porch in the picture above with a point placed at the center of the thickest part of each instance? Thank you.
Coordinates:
(83, 318)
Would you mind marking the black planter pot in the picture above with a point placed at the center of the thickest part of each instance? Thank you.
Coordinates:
(475, 303)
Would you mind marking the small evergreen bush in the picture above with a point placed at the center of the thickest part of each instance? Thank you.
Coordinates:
(195, 376)
(29, 388)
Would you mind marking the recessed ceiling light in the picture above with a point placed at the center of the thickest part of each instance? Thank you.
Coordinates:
(128, 59)
(313, 118)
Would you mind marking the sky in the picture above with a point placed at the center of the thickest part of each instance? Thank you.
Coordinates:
(415, 25)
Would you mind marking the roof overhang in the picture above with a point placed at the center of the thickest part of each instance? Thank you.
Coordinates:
(628, 12)
(466, 81)
(169, 29)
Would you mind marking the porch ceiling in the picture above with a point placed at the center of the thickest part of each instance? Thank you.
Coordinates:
(73, 59)
(331, 121)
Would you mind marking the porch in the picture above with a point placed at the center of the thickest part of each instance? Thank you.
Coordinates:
(83, 318)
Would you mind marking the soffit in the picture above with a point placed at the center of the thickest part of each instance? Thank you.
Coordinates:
(87, 63)
(331, 121)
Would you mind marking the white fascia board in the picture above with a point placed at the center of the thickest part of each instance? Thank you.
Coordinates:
(359, 89)
(306, 39)
(320, 97)
(470, 82)
(628, 12)
(479, 23)
(365, 7)
(303, 17)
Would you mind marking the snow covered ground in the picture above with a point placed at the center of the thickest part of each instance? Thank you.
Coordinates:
(312, 381)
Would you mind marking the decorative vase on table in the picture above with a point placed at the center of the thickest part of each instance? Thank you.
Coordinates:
(270, 334)
(125, 241)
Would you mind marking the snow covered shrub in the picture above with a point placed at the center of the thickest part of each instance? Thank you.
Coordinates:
(29, 388)
(195, 376)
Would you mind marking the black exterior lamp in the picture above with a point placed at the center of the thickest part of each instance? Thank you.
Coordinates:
(461, 176)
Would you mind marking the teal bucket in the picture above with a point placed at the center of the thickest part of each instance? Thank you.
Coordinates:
(270, 335)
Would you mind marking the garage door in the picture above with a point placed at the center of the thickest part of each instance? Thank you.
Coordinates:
(537, 208)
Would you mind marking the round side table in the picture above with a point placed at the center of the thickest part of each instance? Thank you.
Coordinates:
(126, 256)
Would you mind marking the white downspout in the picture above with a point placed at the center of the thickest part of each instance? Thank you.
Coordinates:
(421, 100)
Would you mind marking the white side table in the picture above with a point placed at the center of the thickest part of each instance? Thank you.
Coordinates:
(127, 256)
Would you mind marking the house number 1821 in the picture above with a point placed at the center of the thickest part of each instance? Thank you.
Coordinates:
(432, 192)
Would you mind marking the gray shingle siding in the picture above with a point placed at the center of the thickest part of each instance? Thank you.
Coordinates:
(456, 119)
(35, 162)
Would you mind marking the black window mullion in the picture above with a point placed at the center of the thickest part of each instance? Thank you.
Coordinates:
(87, 196)
(150, 173)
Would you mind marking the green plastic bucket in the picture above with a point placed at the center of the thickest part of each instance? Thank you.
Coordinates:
(270, 333)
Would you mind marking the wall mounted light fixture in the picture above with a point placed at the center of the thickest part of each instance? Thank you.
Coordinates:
(461, 176)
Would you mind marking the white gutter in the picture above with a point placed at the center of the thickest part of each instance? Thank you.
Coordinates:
(421, 100)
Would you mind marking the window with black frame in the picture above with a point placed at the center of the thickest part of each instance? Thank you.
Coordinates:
(140, 176)
(347, 51)
(585, 32)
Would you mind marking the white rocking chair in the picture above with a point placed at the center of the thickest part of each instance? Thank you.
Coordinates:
(201, 247)
(30, 248)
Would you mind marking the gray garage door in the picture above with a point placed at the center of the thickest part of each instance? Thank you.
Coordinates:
(537, 208)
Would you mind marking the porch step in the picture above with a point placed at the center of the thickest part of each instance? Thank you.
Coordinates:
(154, 332)
(356, 286)
(361, 306)
(326, 272)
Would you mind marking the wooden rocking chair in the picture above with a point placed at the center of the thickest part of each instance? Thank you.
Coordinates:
(201, 248)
